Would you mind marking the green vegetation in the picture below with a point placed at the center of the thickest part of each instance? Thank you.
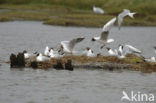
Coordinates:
(78, 12)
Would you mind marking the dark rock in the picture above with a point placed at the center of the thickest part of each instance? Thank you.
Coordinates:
(13, 60)
(68, 65)
(17, 61)
(59, 65)
(21, 60)
(34, 64)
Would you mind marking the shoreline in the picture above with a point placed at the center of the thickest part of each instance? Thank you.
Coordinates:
(63, 16)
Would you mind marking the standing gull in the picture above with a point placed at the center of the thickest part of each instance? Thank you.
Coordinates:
(67, 46)
(54, 54)
(89, 52)
(28, 55)
(41, 58)
(46, 51)
(152, 59)
(123, 14)
(111, 52)
(105, 32)
(98, 10)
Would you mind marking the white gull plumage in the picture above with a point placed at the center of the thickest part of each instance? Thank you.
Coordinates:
(121, 16)
(41, 58)
(105, 32)
(67, 46)
(98, 10)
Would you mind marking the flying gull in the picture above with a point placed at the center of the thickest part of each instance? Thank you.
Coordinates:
(103, 39)
(67, 46)
(123, 14)
(98, 10)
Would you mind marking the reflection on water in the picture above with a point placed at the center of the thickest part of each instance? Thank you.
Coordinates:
(78, 86)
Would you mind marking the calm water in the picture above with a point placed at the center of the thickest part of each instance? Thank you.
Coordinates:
(78, 86)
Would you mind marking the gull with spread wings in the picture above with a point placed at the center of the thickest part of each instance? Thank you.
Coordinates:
(103, 39)
(123, 14)
(67, 46)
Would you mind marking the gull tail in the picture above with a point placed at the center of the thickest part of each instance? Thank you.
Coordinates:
(131, 14)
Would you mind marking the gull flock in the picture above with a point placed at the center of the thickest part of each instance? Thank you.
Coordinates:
(66, 47)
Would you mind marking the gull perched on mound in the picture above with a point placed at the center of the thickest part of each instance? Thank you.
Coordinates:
(89, 52)
(98, 10)
(54, 54)
(28, 55)
(67, 46)
(123, 14)
(46, 51)
(103, 39)
(41, 58)
(152, 59)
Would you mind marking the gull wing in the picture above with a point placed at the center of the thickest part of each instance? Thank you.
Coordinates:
(109, 25)
(73, 42)
(69, 45)
(106, 29)
(122, 15)
(133, 49)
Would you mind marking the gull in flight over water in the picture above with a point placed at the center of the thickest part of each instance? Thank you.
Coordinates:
(123, 14)
(98, 10)
(67, 46)
(103, 39)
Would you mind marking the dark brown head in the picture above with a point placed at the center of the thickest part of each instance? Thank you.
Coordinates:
(108, 48)
(154, 47)
(87, 48)
(24, 51)
(93, 39)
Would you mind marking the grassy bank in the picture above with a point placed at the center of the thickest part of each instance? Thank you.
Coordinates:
(78, 12)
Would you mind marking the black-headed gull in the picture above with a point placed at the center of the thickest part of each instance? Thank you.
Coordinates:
(46, 51)
(111, 52)
(151, 59)
(28, 55)
(132, 49)
(89, 52)
(123, 14)
(41, 58)
(54, 54)
(67, 46)
(103, 39)
(98, 10)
